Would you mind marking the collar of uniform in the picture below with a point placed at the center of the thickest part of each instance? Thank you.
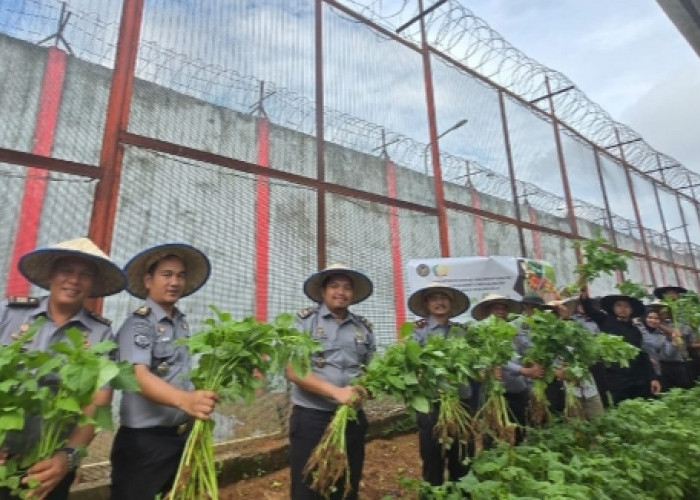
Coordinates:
(433, 324)
(324, 312)
(43, 310)
(160, 313)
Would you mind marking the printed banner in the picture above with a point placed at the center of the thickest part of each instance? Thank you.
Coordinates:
(479, 276)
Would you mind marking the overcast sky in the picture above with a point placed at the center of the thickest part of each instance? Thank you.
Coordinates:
(626, 55)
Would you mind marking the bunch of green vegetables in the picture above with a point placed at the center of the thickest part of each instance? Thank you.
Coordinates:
(44, 393)
(632, 289)
(598, 261)
(234, 357)
(415, 374)
(491, 341)
(685, 310)
(567, 346)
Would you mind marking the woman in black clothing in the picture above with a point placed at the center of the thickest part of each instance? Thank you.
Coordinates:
(638, 380)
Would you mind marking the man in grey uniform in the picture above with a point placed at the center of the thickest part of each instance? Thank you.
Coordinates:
(516, 377)
(72, 271)
(348, 345)
(436, 304)
(154, 422)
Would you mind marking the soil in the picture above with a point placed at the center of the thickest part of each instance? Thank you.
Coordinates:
(387, 460)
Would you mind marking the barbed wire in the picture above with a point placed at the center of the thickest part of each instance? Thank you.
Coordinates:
(452, 28)
(465, 37)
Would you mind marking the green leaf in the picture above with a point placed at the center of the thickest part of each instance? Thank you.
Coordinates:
(420, 404)
(103, 417)
(12, 421)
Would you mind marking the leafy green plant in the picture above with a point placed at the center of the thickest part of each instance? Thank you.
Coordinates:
(46, 391)
(570, 347)
(643, 449)
(598, 261)
(685, 310)
(415, 374)
(491, 340)
(234, 358)
(632, 289)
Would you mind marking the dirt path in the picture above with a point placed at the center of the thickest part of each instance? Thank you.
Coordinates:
(386, 461)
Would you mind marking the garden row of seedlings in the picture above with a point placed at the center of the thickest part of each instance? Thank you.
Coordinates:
(640, 450)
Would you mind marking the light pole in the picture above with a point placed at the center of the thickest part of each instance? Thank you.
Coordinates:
(454, 127)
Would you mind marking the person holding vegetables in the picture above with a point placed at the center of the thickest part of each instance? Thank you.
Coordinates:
(155, 421)
(670, 294)
(72, 271)
(584, 388)
(436, 304)
(638, 379)
(670, 346)
(515, 376)
(348, 345)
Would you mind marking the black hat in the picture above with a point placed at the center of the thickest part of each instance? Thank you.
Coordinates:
(663, 290)
(532, 299)
(607, 303)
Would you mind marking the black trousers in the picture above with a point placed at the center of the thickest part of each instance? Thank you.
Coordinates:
(431, 452)
(306, 427)
(623, 393)
(145, 461)
(60, 492)
(675, 374)
(519, 405)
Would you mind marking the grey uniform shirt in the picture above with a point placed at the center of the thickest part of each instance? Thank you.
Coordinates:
(513, 381)
(585, 387)
(431, 327)
(147, 338)
(347, 346)
(14, 321)
(652, 343)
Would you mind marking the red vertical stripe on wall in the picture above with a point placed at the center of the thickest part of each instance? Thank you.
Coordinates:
(35, 183)
(535, 234)
(642, 267)
(478, 223)
(262, 222)
(395, 235)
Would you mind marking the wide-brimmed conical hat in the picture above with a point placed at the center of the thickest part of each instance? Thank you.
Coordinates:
(37, 265)
(459, 302)
(196, 263)
(481, 310)
(361, 284)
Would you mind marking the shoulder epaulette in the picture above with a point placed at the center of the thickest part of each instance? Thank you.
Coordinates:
(142, 311)
(99, 318)
(306, 312)
(421, 323)
(22, 301)
(366, 322)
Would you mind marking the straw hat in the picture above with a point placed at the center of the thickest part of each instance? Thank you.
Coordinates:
(661, 291)
(459, 302)
(36, 265)
(197, 265)
(480, 310)
(570, 305)
(361, 284)
(607, 302)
